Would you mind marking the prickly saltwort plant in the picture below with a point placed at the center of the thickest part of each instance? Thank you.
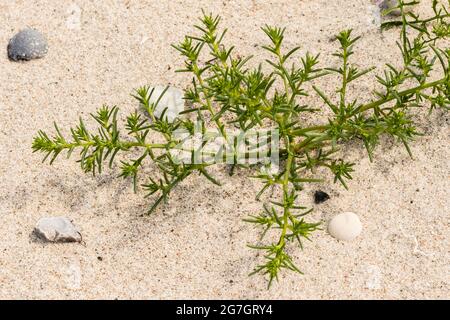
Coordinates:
(225, 93)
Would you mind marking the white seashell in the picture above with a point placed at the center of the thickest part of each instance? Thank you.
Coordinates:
(345, 226)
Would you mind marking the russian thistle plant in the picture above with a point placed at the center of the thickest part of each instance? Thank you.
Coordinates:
(225, 93)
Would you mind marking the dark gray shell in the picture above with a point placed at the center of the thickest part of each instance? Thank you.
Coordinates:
(26, 45)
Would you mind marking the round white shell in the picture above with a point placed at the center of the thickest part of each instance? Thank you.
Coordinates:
(345, 226)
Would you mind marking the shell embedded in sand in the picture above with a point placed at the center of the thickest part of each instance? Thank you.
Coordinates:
(171, 103)
(389, 4)
(57, 229)
(26, 45)
(345, 226)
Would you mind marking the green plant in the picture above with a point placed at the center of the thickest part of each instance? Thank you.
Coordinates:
(225, 92)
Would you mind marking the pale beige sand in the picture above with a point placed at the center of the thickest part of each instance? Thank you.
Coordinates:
(195, 247)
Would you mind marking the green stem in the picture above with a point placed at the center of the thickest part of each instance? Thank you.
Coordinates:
(344, 79)
(285, 184)
(121, 145)
(377, 103)
(209, 103)
(300, 132)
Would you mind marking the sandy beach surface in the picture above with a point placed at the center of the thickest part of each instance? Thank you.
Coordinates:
(195, 246)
